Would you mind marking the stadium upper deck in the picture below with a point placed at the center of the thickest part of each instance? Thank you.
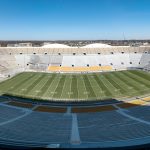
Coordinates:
(62, 58)
(72, 50)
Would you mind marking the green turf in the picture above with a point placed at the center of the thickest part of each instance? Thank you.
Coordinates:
(93, 86)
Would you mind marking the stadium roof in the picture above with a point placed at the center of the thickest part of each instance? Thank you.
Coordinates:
(56, 45)
(96, 45)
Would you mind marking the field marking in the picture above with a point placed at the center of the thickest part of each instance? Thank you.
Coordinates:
(84, 87)
(63, 87)
(119, 86)
(12, 81)
(124, 83)
(27, 84)
(106, 87)
(124, 89)
(18, 88)
(143, 80)
(134, 87)
(16, 85)
(129, 81)
(132, 81)
(39, 86)
(48, 90)
(96, 85)
(91, 92)
(66, 89)
(58, 93)
(56, 88)
(78, 88)
(44, 82)
(114, 88)
(135, 79)
(47, 81)
(32, 86)
(74, 87)
(56, 79)
(70, 87)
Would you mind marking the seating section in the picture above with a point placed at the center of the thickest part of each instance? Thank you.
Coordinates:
(97, 126)
(20, 104)
(38, 128)
(51, 109)
(145, 60)
(41, 59)
(7, 113)
(132, 103)
(107, 127)
(4, 99)
(92, 109)
(146, 99)
(140, 112)
(79, 69)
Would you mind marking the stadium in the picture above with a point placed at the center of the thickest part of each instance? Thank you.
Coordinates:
(58, 96)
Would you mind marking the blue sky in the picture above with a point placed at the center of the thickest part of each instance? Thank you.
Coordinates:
(74, 19)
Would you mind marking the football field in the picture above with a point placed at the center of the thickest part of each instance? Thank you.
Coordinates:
(93, 86)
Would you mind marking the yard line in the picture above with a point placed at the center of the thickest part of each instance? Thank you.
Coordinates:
(70, 87)
(51, 89)
(77, 87)
(140, 73)
(139, 79)
(115, 84)
(12, 81)
(105, 85)
(19, 82)
(39, 86)
(33, 84)
(66, 88)
(116, 91)
(98, 91)
(74, 88)
(91, 93)
(17, 88)
(82, 89)
(66, 79)
(122, 83)
(59, 88)
(128, 80)
(128, 91)
(46, 85)
(102, 86)
(135, 80)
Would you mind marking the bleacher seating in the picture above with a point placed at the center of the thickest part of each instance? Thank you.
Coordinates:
(140, 112)
(131, 103)
(7, 113)
(38, 128)
(74, 59)
(100, 126)
(105, 127)
(79, 69)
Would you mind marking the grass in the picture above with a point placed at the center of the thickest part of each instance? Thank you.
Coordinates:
(95, 86)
